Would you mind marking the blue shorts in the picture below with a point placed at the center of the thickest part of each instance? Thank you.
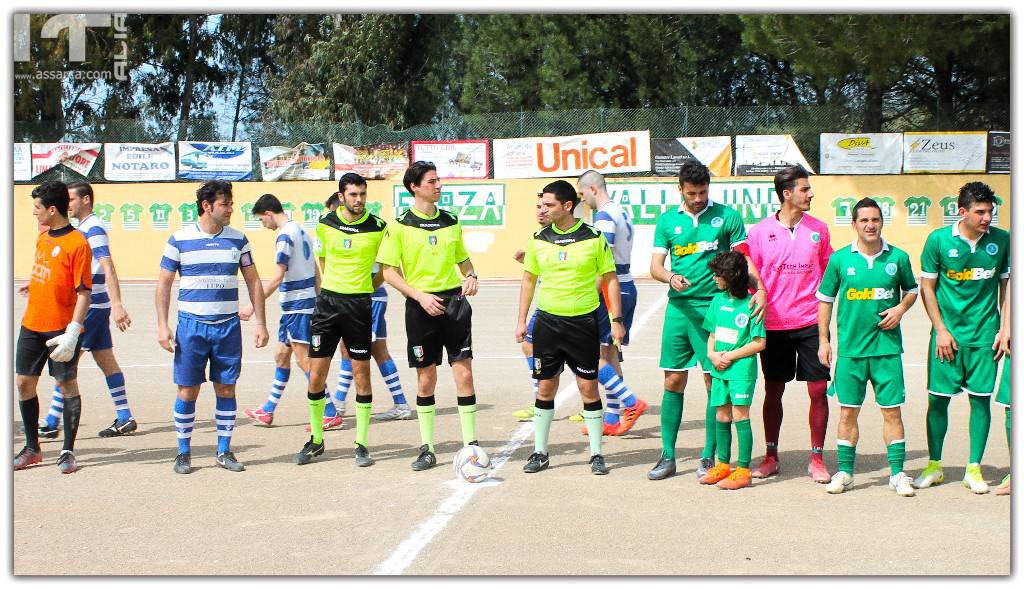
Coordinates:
(196, 343)
(378, 323)
(295, 327)
(96, 335)
(529, 327)
(604, 326)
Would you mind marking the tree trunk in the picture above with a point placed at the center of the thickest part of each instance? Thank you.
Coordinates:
(186, 94)
(872, 122)
(243, 69)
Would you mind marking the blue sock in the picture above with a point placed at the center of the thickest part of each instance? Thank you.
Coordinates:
(609, 379)
(614, 387)
(612, 411)
(225, 414)
(344, 380)
(329, 409)
(390, 373)
(184, 421)
(56, 408)
(277, 388)
(115, 383)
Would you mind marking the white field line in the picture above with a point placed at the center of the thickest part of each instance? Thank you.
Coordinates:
(407, 551)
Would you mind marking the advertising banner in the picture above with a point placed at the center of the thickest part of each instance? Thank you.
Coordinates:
(667, 155)
(138, 162)
(465, 158)
(22, 162)
(222, 160)
(373, 162)
(998, 152)
(544, 157)
(954, 152)
(861, 153)
(476, 205)
(305, 161)
(80, 157)
(764, 155)
(646, 201)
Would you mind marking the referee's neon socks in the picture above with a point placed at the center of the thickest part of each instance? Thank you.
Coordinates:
(364, 407)
(595, 429)
(671, 417)
(467, 418)
(316, 415)
(425, 410)
(543, 415)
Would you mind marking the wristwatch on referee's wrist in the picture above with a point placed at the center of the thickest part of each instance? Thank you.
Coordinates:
(471, 275)
(616, 319)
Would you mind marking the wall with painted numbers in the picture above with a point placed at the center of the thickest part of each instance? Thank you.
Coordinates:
(499, 216)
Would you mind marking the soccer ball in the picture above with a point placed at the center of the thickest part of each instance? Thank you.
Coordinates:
(472, 464)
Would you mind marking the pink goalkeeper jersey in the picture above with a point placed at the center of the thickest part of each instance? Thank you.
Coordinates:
(791, 264)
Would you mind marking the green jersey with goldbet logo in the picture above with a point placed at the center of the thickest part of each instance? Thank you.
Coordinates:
(568, 264)
(728, 319)
(348, 250)
(967, 281)
(863, 287)
(427, 249)
(691, 241)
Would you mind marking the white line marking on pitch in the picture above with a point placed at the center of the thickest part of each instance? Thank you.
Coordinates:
(407, 551)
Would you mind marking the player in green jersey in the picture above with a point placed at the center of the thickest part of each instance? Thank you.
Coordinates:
(418, 257)
(1002, 348)
(567, 256)
(868, 278)
(690, 237)
(964, 272)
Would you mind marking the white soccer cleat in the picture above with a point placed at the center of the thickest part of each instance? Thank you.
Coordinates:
(396, 413)
(902, 484)
(841, 481)
(974, 481)
(931, 475)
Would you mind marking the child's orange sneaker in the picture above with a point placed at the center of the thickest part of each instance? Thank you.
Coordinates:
(717, 473)
(739, 479)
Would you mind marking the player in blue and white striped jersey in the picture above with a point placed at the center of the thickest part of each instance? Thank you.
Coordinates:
(104, 303)
(298, 278)
(208, 256)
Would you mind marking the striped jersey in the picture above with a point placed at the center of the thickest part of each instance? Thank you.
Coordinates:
(99, 243)
(295, 252)
(208, 266)
(615, 223)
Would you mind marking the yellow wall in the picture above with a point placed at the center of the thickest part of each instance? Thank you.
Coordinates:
(137, 251)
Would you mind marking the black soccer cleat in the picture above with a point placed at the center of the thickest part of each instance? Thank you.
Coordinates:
(309, 451)
(227, 461)
(425, 460)
(363, 456)
(665, 468)
(597, 465)
(183, 463)
(537, 462)
(119, 428)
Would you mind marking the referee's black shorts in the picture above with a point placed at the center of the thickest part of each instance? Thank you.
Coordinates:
(428, 336)
(792, 352)
(341, 317)
(559, 340)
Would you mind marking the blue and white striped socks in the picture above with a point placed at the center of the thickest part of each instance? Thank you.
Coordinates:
(225, 414)
(390, 373)
(344, 380)
(115, 383)
(56, 408)
(277, 388)
(184, 422)
(616, 392)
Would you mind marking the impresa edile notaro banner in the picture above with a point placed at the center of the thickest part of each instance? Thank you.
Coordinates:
(861, 153)
(764, 155)
(80, 157)
(217, 160)
(305, 161)
(138, 162)
(668, 155)
(953, 152)
(373, 162)
(463, 158)
(544, 157)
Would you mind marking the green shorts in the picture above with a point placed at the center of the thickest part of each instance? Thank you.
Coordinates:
(1003, 395)
(684, 343)
(733, 392)
(885, 373)
(972, 371)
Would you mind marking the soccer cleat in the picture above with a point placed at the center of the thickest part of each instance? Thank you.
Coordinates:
(50, 433)
(703, 467)
(816, 469)
(718, 472)
(524, 414)
(27, 457)
(1004, 487)
(607, 429)
(363, 456)
(183, 463)
(739, 479)
(260, 416)
(629, 417)
(974, 481)
(396, 413)
(841, 482)
(66, 462)
(597, 465)
(309, 451)
(119, 428)
(576, 418)
(902, 484)
(769, 467)
(333, 422)
(931, 475)
(537, 462)
(227, 460)
(425, 460)
(665, 468)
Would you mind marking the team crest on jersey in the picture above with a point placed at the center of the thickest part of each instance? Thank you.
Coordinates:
(992, 249)
(432, 239)
(235, 255)
(716, 222)
(742, 320)
(678, 230)
(851, 271)
(536, 364)
(815, 237)
(347, 244)
(55, 252)
(890, 269)
(563, 256)
(418, 352)
(953, 253)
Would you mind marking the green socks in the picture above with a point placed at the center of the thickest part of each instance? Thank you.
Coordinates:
(847, 455)
(723, 440)
(594, 418)
(364, 407)
(1008, 445)
(709, 430)
(316, 415)
(937, 424)
(980, 423)
(542, 418)
(671, 418)
(467, 418)
(896, 453)
(425, 416)
(745, 440)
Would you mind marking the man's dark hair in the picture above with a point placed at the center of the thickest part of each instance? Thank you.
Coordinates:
(732, 266)
(563, 192)
(349, 178)
(694, 173)
(53, 194)
(83, 188)
(865, 203)
(209, 191)
(416, 172)
(333, 201)
(785, 179)
(973, 193)
(268, 203)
